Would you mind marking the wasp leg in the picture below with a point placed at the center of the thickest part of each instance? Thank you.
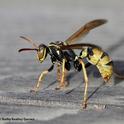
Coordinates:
(58, 72)
(86, 84)
(65, 78)
(42, 75)
(63, 83)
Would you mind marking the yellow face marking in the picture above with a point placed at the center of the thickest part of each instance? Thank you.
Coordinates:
(41, 55)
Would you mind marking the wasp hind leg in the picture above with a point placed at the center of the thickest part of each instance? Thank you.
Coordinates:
(86, 85)
(38, 83)
(62, 81)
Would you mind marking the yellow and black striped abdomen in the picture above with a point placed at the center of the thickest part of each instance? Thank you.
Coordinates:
(94, 55)
(102, 62)
(105, 67)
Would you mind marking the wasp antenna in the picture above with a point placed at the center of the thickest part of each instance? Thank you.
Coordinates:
(30, 41)
(84, 30)
(27, 49)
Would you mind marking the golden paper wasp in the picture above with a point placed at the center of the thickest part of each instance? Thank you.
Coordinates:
(62, 54)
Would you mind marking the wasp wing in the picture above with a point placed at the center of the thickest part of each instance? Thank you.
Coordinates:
(85, 30)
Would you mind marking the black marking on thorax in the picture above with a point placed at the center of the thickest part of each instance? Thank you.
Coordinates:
(69, 56)
(56, 54)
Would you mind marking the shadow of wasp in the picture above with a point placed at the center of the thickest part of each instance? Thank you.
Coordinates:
(62, 54)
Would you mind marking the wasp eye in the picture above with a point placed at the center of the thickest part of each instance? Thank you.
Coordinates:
(41, 46)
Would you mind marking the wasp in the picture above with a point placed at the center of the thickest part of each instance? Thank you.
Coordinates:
(62, 54)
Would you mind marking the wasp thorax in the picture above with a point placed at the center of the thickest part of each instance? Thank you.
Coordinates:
(59, 42)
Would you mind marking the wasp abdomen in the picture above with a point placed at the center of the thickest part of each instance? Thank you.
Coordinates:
(103, 63)
(105, 67)
(95, 57)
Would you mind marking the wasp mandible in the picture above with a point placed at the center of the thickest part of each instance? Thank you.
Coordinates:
(62, 53)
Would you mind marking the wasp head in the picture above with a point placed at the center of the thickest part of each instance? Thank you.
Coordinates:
(42, 52)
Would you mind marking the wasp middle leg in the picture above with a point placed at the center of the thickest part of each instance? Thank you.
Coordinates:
(86, 84)
(63, 82)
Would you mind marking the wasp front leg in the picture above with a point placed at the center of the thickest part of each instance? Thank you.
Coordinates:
(63, 83)
(86, 84)
(42, 75)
